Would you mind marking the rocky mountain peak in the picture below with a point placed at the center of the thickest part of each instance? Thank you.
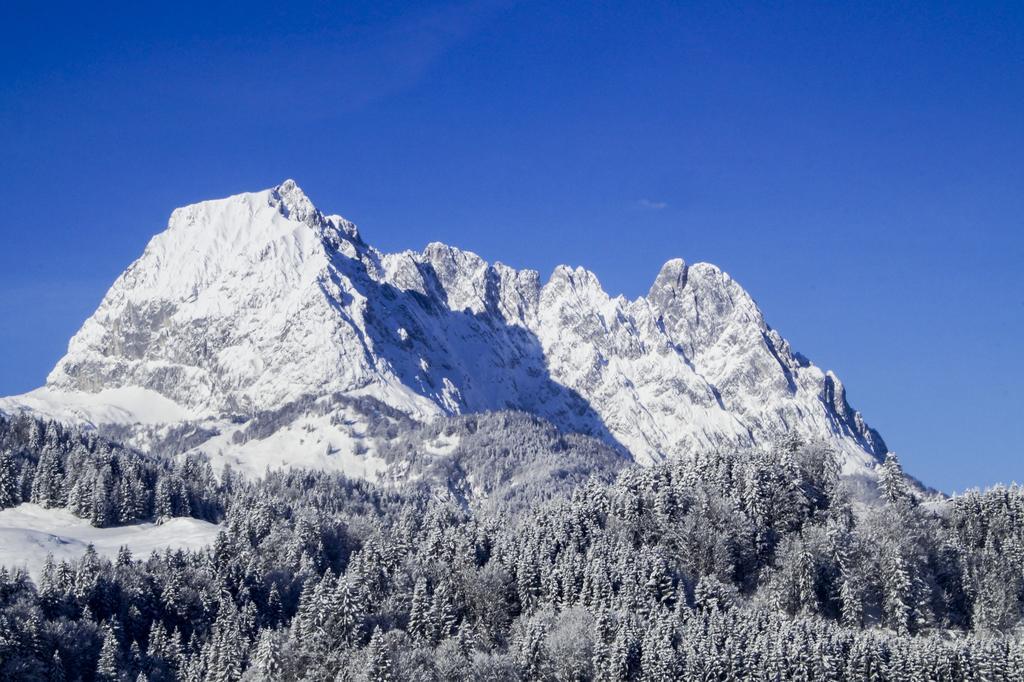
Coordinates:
(294, 203)
(255, 301)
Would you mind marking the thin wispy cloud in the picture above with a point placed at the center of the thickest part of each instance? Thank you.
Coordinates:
(651, 205)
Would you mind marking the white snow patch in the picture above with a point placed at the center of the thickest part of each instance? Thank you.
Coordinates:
(442, 445)
(28, 533)
(124, 405)
(310, 442)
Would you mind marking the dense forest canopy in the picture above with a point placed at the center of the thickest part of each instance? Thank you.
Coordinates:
(509, 559)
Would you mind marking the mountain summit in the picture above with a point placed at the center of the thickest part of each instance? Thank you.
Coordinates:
(248, 304)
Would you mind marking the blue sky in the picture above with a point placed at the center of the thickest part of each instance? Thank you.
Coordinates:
(859, 167)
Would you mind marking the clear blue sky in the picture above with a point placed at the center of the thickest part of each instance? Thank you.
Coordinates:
(858, 167)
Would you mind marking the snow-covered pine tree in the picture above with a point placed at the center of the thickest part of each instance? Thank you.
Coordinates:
(9, 492)
(530, 658)
(275, 609)
(378, 659)
(893, 482)
(47, 488)
(109, 664)
(56, 673)
(103, 512)
(26, 478)
(898, 595)
(444, 613)
(126, 504)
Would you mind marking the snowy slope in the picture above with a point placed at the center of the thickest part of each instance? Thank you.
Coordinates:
(28, 533)
(251, 302)
(119, 405)
(310, 441)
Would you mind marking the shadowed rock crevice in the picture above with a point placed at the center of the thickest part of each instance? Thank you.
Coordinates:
(492, 364)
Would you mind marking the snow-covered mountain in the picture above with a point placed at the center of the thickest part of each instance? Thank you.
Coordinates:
(249, 304)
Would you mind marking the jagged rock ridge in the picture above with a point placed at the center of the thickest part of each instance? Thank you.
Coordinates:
(248, 303)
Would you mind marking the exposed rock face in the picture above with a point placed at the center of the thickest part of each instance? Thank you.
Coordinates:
(246, 303)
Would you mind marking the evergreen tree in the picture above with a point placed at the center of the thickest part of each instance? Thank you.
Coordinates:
(47, 487)
(102, 502)
(9, 492)
(898, 596)
(275, 610)
(530, 659)
(267, 659)
(444, 615)
(109, 664)
(56, 672)
(893, 483)
(378, 659)
(127, 506)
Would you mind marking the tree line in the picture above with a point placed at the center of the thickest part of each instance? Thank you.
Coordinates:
(731, 565)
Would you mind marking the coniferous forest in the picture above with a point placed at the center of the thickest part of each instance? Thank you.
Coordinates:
(733, 565)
